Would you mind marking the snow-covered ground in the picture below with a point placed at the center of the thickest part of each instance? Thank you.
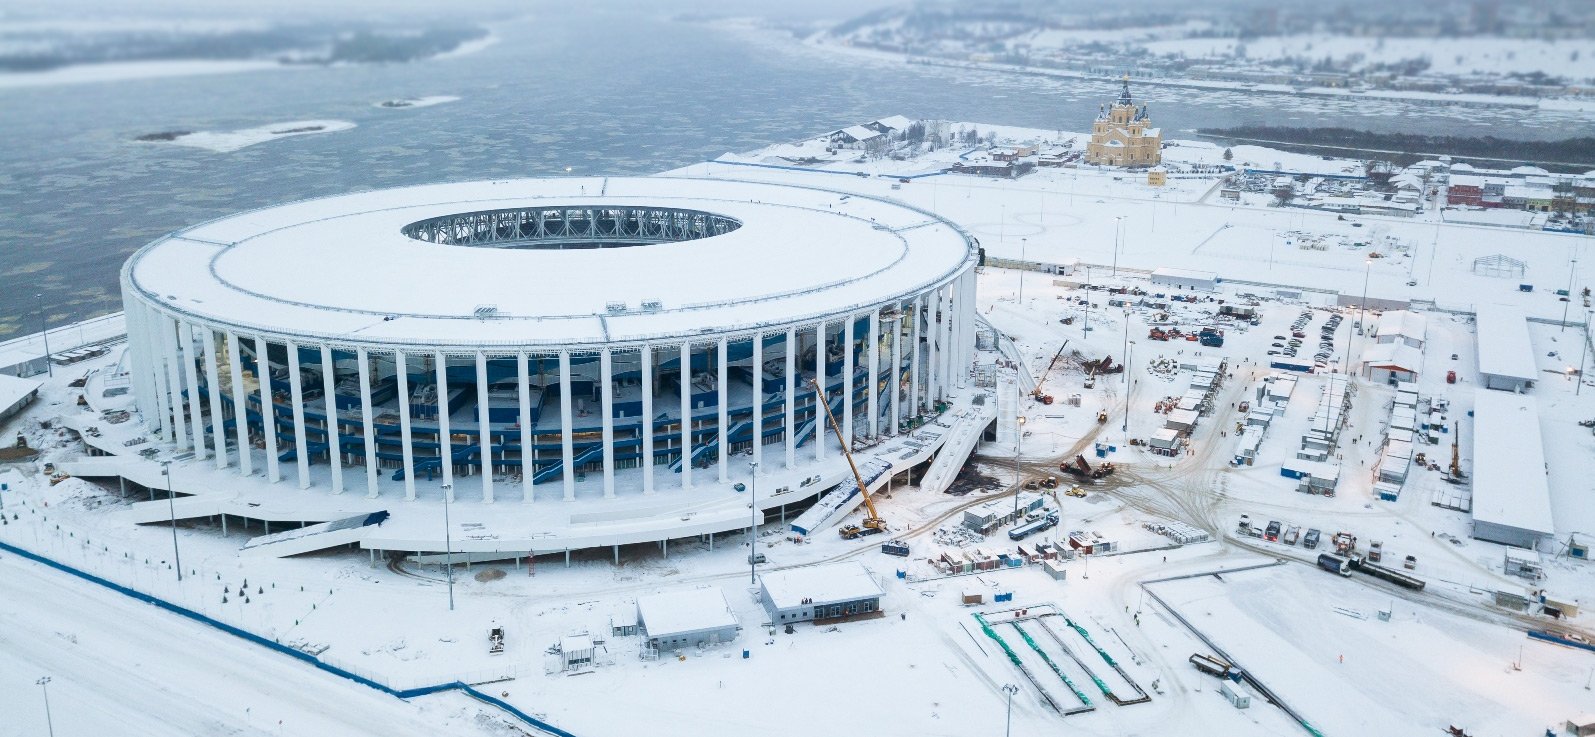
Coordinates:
(1473, 56)
(234, 140)
(926, 668)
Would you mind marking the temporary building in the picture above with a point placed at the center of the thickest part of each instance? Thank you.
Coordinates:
(15, 394)
(1511, 497)
(1506, 357)
(686, 618)
(820, 593)
(1402, 326)
(1206, 281)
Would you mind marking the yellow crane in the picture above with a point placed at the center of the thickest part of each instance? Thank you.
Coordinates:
(1037, 393)
(873, 522)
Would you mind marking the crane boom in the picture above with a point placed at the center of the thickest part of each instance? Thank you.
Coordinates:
(874, 520)
(1043, 380)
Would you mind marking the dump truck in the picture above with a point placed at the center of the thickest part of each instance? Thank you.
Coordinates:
(1310, 540)
(1080, 467)
(1211, 337)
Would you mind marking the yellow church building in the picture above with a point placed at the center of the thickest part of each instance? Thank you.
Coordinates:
(1123, 135)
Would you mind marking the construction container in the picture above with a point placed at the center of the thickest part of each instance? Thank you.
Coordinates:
(1237, 694)
(974, 598)
(1582, 725)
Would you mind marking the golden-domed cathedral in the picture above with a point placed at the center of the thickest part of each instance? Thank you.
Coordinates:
(1123, 135)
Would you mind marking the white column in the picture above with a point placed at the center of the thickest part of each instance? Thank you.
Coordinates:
(686, 416)
(969, 312)
(401, 370)
(445, 436)
(821, 422)
(523, 388)
(165, 397)
(788, 417)
(174, 381)
(329, 387)
(912, 406)
(960, 364)
(268, 410)
(948, 352)
(722, 383)
(606, 404)
(758, 399)
(218, 421)
(933, 377)
(235, 371)
(484, 428)
(847, 382)
(138, 356)
(896, 382)
(647, 462)
(567, 447)
(191, 376)
(873, 366)
(367, 425)
(296, 393)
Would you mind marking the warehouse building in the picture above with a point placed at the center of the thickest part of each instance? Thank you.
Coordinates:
(1205, 281)
(819, 593)
(689, 618)
(1506, 358)
(1511, 498)
(16, 394)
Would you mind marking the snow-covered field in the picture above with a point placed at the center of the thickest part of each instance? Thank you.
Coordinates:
(1570, 58)
(926, 668)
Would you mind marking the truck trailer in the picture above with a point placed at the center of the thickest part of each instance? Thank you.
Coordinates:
(1334, 564)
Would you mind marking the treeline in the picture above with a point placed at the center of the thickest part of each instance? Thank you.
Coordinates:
(1568, 154)
(290, 44)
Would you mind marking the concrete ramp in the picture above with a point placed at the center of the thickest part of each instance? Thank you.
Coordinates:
(842, 499)
(183, 507)
(314, 537)
(960, 440)
(101, 467)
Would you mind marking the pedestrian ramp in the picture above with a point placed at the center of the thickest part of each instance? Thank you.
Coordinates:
(842, 499)
(958, 442)
(183, 507)
(315, 537)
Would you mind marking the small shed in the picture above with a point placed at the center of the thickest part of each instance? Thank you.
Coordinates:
(1581, 725)
(820, 593)
(1236, 693)
(1181, 420)
(1166, 442)
(16, 394)
(687, 618)
(576, 651)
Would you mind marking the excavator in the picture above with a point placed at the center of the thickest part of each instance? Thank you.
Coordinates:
(873, 524)
(1037, 393)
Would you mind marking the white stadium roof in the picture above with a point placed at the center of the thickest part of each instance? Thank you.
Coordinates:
(340, 267)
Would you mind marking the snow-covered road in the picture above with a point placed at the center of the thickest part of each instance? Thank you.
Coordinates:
(121, 667)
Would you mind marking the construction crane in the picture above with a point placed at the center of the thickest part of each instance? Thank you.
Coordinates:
(872, 522)
(1036, 393)
(1456, 451)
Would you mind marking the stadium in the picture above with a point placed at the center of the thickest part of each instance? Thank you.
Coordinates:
(639, 347)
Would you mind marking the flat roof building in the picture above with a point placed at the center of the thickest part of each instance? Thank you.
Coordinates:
(16, 394)
(1511, 497)
(1206, 281)
(1402, 326)
(686, 618)
(819, 593)
(1506, 358)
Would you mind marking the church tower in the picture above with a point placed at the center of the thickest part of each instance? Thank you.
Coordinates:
(1122, 134)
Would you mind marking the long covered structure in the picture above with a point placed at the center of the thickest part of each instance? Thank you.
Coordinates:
(1511, 495)
(532, 332)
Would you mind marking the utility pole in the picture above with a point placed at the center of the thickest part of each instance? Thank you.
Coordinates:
(1128, 349)
(448, 540)
(1022, 269)
(1118, 232)
(49, 722)
(1362, 319)
(1568, 300)
(1019, 444)
(1086, 323)
(44, 331)
(171, 507)
(1583, 353)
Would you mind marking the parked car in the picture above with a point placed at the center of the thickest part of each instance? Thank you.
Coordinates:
(1310, 540)
(1272, 533)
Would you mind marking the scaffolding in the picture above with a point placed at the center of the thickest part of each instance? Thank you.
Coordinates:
(1499, 265)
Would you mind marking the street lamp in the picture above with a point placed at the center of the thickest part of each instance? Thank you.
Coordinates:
(44, 684)
(1567, 301)
(1127, 351)
(1118, 230)
(1085, 324)
(171, 507)
(1362, 319)
(1583, 353)
(1019, 444)
(753, 522)
(44, 330)
(1022, 268)
(448, 542)
(1010, 689)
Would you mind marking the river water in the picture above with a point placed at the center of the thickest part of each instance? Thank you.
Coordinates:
(595, 91)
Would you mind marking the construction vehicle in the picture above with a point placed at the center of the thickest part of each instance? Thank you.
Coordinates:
(1036, 393)
(895, 547)
(1075, 492)
(1376, 551)
(1157, 333)
(1103, 366)
(1084, 469)
(1102, 417)
(1292, 534)
(1211, 337)
(1334, 564)
(1050, 482)
(1345, 543)
(872, 524)
(1456, 453)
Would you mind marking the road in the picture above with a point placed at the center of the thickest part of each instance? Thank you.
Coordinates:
(119, 667)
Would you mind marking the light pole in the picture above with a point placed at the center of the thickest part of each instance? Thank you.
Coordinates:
(1022, 269)
(1362, 319)
(44, 684)
(448, 542)
(44, 331)
(1010, 689)
(1118, 231)
(1566, 301)
(753, 522)
(1127, 350)
(1019, 444)
(171, 507)
(1583, 353)
(1086, 323)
